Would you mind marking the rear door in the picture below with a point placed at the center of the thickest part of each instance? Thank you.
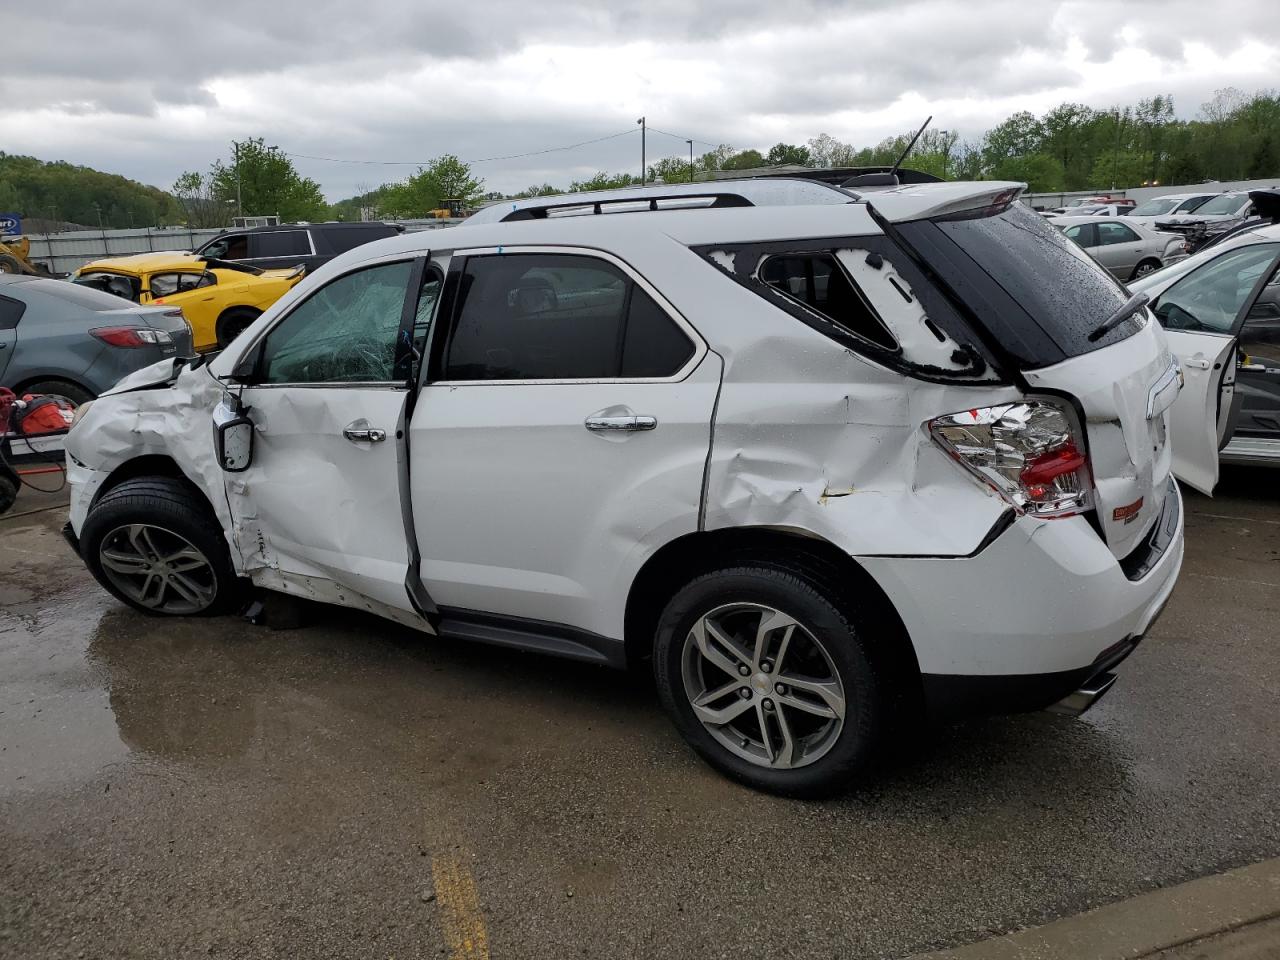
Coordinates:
(1258, 374)
(272, 249)
(1202, 313)
(1119, 249)
(562, 436)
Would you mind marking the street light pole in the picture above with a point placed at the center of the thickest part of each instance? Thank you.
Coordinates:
(690, 143)
(643, 167)
(239, 197)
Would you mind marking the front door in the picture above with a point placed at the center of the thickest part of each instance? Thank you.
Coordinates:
(322, 499)
(1202, 314)
(562, 436)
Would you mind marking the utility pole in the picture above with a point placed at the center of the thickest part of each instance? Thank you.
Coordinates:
(690, 143)
(239, 199)
(1115, 157)
(643, 168)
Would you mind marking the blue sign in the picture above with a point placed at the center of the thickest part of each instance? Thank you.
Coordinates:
(10, 224)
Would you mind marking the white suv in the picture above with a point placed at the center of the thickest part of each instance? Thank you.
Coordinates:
(825, 459)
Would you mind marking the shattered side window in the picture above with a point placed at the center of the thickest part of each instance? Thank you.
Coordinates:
(345, 332)
(817, 281)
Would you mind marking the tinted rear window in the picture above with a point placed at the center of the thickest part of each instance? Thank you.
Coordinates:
(1037, 293)
(282, 243)
(348, 238)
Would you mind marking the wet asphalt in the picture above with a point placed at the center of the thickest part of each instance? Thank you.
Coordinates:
(350, 789)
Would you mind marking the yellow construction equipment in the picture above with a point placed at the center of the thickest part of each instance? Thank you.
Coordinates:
(15, 257)
(452, 209)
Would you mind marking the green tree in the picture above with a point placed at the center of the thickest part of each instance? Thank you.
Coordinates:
(1041, 172)
(745, 160)
(1019, 136)
(200, 205)
(444, 178)
(826, 151)
(788, 153)
(671, 170)
(263, 182)
(603, 181)
(544, 190)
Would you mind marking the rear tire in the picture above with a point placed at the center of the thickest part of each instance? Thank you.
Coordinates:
(233, 323)
(1144, 268)
(9, 264)
(59, 388)
(801, 718)
(154, 544)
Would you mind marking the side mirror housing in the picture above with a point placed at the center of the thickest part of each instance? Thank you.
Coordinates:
(233, 436)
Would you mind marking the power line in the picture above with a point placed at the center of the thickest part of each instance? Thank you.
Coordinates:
(423, 163)
(676, 136)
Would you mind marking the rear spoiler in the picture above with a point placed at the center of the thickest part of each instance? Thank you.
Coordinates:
(926, 201)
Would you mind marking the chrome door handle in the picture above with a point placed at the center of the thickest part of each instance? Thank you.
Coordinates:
(364, 434)
(628, 424)
(1197, 363)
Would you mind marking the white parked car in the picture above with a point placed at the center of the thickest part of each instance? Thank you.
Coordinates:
(1161, 208)
(735, 431)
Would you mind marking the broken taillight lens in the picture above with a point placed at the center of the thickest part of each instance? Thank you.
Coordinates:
(1028, 452)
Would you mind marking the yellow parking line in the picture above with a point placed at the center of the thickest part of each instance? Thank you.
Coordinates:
(464, 929)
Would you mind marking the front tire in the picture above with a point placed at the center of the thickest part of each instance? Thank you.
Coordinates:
(770, 680)
(153, 543)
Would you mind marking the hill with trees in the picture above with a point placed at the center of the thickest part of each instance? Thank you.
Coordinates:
(59, 191)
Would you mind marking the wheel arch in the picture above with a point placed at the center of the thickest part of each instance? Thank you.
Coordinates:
(61, 376)
(817, 560)
(149, 465)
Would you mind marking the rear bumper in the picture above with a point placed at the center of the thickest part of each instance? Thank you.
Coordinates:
(1042, 611)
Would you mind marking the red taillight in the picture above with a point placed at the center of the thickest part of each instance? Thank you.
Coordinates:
(130, 336)
(1041, 470)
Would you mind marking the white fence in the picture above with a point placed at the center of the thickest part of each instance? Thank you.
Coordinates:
(65, 252)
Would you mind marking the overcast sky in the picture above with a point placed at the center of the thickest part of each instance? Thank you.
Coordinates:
(150, 89)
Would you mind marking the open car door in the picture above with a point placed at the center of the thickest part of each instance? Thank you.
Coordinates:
(1202, 312)
(1199, 420)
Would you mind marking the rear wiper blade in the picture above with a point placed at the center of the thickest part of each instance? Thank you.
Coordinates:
(1127, 310)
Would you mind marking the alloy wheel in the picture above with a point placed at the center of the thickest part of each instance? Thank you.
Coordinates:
(158, 569)
(763, 685)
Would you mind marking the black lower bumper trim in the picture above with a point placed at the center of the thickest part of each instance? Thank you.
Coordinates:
(955, 696)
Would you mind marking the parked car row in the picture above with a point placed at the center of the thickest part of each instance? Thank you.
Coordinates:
(77, 339)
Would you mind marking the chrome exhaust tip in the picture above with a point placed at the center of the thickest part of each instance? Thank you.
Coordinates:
(1090, 692)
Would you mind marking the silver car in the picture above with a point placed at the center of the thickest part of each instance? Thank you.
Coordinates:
(1127, 250)
(63, 339)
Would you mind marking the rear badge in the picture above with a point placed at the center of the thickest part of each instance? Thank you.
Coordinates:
(1128, 513)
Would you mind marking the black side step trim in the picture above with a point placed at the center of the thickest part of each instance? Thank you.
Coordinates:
(538, 636)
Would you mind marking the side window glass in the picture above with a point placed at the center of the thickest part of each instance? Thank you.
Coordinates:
(10, 312)
(537, 317)
(424, 314)
(654, 345)
(281, 243)
(1266, 309)
(1210, 298)
(820, 283)
(164, 284)
(345, 332)
(1075, 233)
(206, 280)
(233, 247)
(1109, 233)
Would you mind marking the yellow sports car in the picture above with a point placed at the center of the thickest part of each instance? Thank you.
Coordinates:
(218, 298)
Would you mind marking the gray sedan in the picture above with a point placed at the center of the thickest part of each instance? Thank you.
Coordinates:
(59, 338)
(1127, 250)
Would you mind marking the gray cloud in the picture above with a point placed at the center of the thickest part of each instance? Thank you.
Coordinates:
(149, 90)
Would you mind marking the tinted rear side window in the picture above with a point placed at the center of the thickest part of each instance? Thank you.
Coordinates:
(1037, 293)
(348, 238)
(281, 243)
(557, 317)
(10, 312)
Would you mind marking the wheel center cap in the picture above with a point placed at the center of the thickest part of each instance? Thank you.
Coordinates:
(761, 682)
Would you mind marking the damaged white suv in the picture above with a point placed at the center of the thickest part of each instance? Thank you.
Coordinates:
(821, 455)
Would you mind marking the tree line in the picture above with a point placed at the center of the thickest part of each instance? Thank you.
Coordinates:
(1234, 136)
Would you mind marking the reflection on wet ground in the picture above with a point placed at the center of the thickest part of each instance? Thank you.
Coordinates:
(170, 788)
